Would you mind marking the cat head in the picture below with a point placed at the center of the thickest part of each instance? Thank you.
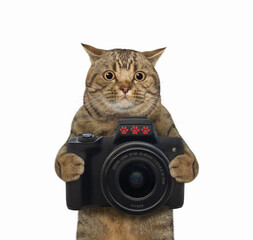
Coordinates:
(122, 82)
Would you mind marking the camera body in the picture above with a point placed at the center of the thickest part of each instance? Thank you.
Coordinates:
(128, 170)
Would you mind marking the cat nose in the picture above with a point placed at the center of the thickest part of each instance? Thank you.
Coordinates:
(124, 89)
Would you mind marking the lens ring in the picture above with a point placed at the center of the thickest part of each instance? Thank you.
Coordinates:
(119, 158)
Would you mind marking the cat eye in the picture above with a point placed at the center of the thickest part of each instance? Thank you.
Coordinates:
(109, 75)
(139, 76)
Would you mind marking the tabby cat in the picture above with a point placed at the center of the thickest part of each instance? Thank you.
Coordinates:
(122, 83)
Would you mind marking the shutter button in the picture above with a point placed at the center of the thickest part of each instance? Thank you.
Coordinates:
(86, 137)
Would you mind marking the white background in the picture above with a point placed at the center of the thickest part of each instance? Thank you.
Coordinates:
(206, 82)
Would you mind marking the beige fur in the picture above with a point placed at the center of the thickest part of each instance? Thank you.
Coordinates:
(106, 101)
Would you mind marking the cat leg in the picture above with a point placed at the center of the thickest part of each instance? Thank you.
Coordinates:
(155, 226)
(69, 167)
(89, 226)
(184, 168)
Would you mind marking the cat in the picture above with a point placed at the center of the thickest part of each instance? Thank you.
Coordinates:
(122, 83)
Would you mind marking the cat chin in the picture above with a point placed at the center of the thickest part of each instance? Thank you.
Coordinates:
(124, 103)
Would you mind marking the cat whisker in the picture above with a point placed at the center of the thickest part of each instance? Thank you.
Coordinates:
(93, 104)
(153, 97)
(93, 100)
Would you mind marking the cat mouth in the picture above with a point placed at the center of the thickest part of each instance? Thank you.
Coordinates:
(122, 104)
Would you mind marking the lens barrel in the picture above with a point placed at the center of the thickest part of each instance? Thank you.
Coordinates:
(135, 178)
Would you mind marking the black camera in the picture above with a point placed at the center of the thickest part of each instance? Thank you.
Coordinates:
(128, 171)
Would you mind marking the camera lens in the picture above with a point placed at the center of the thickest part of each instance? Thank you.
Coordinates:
(137, 179)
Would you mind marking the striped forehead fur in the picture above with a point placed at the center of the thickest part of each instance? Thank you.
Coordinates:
(124, 57)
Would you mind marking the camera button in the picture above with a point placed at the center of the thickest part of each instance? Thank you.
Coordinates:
(86, 137)
(174, 149)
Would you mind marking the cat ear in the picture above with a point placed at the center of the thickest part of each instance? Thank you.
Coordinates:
(153, 56)
(94, 53)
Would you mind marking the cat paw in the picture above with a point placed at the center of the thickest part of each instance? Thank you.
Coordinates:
(183, 168)
(71, 167)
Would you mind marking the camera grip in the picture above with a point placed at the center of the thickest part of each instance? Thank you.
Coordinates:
(74, 193)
